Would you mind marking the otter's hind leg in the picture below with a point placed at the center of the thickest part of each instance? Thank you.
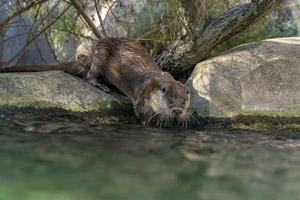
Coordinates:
(94, 75)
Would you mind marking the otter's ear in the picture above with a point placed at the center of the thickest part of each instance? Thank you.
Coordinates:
(154, 82)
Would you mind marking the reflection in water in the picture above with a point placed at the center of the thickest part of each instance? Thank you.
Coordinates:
(75, 161)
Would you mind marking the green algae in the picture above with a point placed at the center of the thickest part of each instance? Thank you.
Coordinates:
(266, 127)
(6, 100)
(291, 112)
(38, 102)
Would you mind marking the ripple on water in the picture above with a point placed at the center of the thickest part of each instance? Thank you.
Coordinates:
(76, 161)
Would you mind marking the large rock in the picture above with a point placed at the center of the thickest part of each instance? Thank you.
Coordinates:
(261, 78)
(55, 89)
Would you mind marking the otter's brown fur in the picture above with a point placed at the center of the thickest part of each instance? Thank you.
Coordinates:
(127, 66)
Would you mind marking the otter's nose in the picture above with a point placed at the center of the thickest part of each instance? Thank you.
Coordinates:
(177, 110)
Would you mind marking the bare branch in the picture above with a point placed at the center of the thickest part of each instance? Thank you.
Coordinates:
(110, 7)
(32, 29)
(31, 38)
(78, 5)
(19, 12)
(196, 12)
(49, 25)
(185, 53)
(75, 34)
(96, 2)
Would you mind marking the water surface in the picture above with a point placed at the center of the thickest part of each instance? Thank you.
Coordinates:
(73, 161)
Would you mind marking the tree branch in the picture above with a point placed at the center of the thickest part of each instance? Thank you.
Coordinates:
(31, 38)
(186, 52)
(19, 12)
(97, 3)
(78, 5)
(196, 13)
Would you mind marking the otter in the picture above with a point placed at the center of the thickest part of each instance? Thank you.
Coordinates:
(124, 64)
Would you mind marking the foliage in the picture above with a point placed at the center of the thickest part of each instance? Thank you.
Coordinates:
(66, 32)
(172, 26)
(269, 27)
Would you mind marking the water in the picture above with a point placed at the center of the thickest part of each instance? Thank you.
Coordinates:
(73, 161)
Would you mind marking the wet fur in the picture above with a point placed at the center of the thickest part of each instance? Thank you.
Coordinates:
(132, 70)
(128, 67)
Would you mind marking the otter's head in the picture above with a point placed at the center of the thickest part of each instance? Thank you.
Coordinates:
(173, 98)
(164, 100)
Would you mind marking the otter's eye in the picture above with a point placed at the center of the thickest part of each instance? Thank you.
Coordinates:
(187, 92)
(164, 90)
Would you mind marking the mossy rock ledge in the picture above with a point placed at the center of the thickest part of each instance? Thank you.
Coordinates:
(258, 79)
(58, 90)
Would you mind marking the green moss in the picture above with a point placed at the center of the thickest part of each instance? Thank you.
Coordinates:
(74, 107)
(292, 112)
(28, 101)
(77, 107)
(38, 102)
(264, 126)
(254, 127)
(105, 108)
(110, 120)
(225, 105)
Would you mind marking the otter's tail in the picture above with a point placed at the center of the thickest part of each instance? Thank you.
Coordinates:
(73, 68)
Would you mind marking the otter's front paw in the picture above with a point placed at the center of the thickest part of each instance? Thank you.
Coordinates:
(101, 86)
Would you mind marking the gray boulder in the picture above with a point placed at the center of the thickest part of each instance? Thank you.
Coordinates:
(55, 89)
(261, 78)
